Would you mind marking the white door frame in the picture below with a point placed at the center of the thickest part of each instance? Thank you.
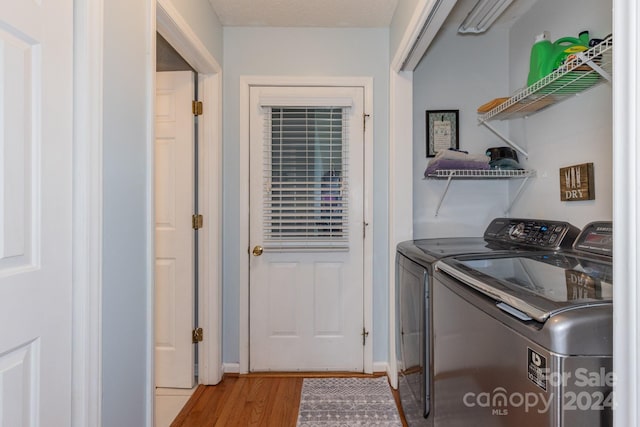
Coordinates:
(245, 84)
(626, 215)
(87, 213)
(88, 200)
(172, 26)
(401, 155)
(400, 190)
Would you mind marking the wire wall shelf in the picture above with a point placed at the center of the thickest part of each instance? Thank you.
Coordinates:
(480, 174)
(451, 174)
(580, 72)
(583, 71)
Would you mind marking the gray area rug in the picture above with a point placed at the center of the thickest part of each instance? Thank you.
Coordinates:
(347, 402)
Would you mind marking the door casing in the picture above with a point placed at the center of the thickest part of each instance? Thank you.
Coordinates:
(172, 26)
(245, 84)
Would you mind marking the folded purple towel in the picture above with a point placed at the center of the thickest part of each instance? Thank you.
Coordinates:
(446, 164)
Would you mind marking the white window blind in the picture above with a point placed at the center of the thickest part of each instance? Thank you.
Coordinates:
(306, 178)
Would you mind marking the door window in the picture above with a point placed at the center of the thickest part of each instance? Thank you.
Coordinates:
(306, 177)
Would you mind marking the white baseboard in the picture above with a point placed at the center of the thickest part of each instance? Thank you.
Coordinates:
(231, 368)
(165, 391)
(381, 367)
(234, 368)
(386, 368)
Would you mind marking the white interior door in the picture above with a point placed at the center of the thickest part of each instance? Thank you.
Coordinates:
(36, 117)
(175, 238)
(306, 228)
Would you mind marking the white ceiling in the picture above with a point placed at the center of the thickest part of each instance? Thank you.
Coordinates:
(336, 13)
(305, 13)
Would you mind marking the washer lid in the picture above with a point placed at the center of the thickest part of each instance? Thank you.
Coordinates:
(539, 285)
(428, 251)
(449, 246)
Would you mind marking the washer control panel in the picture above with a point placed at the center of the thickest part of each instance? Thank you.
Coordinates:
(597, 238)
(543, 234)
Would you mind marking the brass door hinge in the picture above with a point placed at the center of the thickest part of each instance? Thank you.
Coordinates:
(196, 108)
(197, 335)
(364, 334)
(196, 222)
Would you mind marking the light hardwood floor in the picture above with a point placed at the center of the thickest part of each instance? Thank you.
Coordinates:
(249, 400)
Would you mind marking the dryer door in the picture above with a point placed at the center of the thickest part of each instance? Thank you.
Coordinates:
(412, 345)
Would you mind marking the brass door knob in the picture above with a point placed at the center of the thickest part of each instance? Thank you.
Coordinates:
(257, 250)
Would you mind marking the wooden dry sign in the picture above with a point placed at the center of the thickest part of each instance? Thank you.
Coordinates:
(577, 183)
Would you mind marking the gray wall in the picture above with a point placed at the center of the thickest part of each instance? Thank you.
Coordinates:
(125, 216)
(125, 280)
(303, 52)
(578, 130)
(458, 73)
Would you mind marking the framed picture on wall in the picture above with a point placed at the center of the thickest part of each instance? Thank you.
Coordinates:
(442, 131)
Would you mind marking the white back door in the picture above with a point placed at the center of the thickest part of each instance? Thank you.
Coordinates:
(36, 118)
(175, 238)
(306, 228)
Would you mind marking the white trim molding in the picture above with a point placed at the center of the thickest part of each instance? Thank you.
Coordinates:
(401, 148)
(150, 311)
(626, 212)
(231, 368)
(87, 214)
(422, 29)
(400, 189)
(381, 367)
(245, 84)
(174, 28)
